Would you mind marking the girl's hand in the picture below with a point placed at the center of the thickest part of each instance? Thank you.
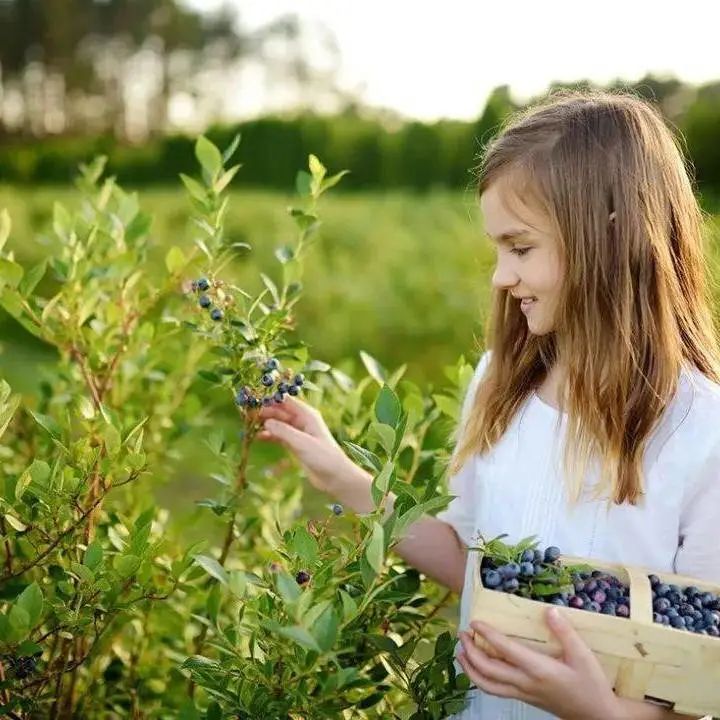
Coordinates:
(572, 686)
(300, 428)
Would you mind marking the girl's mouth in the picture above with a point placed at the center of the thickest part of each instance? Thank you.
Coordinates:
(527, 303)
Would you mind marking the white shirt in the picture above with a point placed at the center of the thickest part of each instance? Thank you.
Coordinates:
(517, 488)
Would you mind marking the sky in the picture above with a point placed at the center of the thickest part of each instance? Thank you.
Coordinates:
(431, 59)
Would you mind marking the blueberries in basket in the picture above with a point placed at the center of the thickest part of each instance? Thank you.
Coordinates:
(493, 579)
(686, 608)
(552, 554)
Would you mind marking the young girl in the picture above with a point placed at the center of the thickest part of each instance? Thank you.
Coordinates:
(593, 421)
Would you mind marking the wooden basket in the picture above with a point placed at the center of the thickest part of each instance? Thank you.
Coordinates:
(643, 660)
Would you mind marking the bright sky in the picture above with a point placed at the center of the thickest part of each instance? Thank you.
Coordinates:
(440, 59)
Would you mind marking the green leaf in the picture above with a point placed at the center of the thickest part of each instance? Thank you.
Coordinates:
(332, 181)
(213, 711)
(10, 273)
(381, 483)
(367, 458)
(448, 405)
(305, 545)
(93, 555)
(40, 472)
(301, 636)
(287, 587)
(325, 628)
(15, 523)
(19, 621)
(386, 435)
(127, 565)
(22, 484)
(208, 156)
(195, 189)
(175, 260)
(112, 439)
(303, 181)
(5, 227)
(47, 423)
(32, 278)
(62, 222)
(387, 407)
(212, 567)
(31, 600)
(222, 182)
(230, 150)
(376, 371)
(375, 550)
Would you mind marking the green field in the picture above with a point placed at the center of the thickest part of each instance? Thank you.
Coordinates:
(399, 276)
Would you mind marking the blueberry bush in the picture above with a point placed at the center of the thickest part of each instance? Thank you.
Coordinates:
(106, 610)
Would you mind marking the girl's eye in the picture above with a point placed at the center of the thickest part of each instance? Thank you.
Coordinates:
(520, 251)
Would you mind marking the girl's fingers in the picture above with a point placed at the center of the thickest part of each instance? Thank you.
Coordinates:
(489, 686)
(493, 669)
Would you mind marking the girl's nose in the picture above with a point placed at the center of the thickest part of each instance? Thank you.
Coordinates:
(503, 277)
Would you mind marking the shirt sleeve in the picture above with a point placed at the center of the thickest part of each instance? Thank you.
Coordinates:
(697, 554)
(460, 513)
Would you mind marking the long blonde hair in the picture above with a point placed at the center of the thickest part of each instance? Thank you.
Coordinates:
(634, 303)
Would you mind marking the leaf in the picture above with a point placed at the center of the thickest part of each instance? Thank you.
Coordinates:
(47, 423)
(22, 484)
(284, 254)
(231, 148)
(10, 273)
(387, 407)
(448, 405)
(365, 457)
(305, 545)
(127, 565)
(302, 183)
(15, 523)
(374, 368)
(325, 628)
(381, 483)
(19, 621)
(212, 567)
(40, 472)
(385, 434)
(31, 600)
(333, 180)
(93, 555)
(62, 222)
(375, 550)
(208, 156)
(222, 182)
(175, 260)
(270, 285)
(112, 439)
(5, 227)
(32, 278)
(287, 587)
(301, 636)
(195, 189)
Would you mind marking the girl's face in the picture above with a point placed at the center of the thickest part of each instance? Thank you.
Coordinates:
(528, 262)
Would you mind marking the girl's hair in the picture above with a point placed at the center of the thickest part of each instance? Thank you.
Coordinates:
(634, 304)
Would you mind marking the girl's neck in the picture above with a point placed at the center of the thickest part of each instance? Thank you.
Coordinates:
(550, 389)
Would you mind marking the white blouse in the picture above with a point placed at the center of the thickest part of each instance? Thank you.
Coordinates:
(517, 488)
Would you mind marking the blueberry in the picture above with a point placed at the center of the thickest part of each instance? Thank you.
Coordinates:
(592, 606)
(511, 585)
(654, 580)
(538, 568)
(708, 599)
(608, 608)
(603, 585)
(294, 390)
(576, 602)
(302, 577)
(599, 597)
(271, 364)
(686, 609)
(278, 397)
(558, 601)
(216, 314)
(677, 622)
(672, 612)
(538, 556)
(527, 569)
(493, 579)
(527, 556)
(241, 399)
(267, 380)
(204, 301)
(299, 380)
(662, 590)
(674, 597)
(691, 591)
(551, 554)
(337, 509)
(713, 630)
(579, 585)
(283, 387)
(597, 574)
(661, 605)
(509, 571)
(658, 618)
(267, 401)
(697, 603)
(591, 586)
(622, 611)
(203, 284)
(612, 594)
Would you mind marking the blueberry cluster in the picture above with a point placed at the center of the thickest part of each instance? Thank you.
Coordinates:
(274, 386)
(536, 573)
(686, 608)
(22, 667)
(204, 301)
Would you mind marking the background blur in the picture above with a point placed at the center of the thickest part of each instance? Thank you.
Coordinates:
(403, 95)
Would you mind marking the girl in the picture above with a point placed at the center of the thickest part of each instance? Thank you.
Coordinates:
(593, 421)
